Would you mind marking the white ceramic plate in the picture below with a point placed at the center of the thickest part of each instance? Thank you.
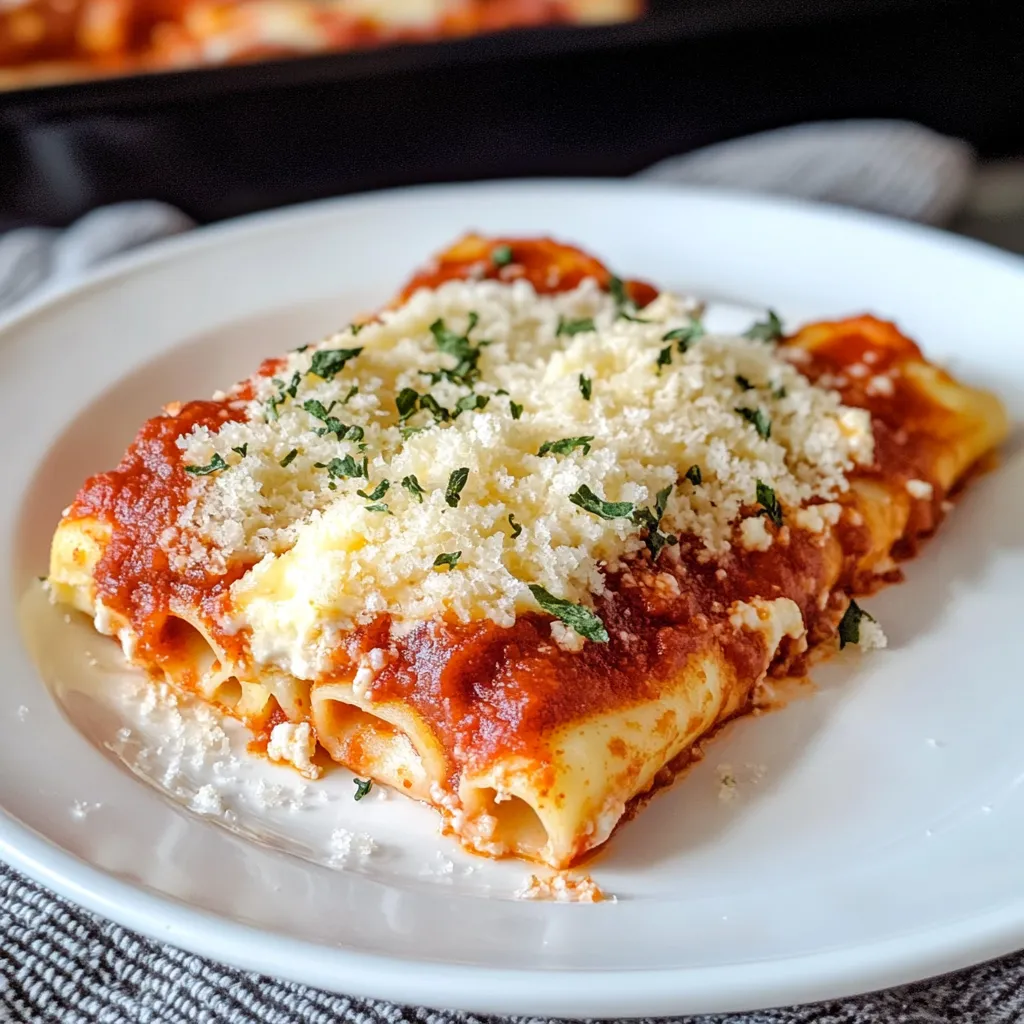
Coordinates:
(883, 842)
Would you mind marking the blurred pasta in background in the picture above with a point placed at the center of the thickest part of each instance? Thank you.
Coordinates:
(45, 41)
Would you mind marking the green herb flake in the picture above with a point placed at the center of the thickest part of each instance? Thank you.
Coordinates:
(470, 402)
(651, 519)
(438, 411)
(377, 493)
(456, 482)
(769, 503)
(849, 624)
(515, 408)
(242, 449)
(215, 464)
(758, 419)
(587, 500)
(501, 255)
(406, 402)
(664, 358)
(624, 305)
(571, 327)
(779, 392)
(566, 445)
(586, 387)
(580, 618)
(516, 528)
(412, 485)
(329, 362)
(289, 458)
(686, 336)
(449, 558)
(378, 508)
(744, 384)
(363, 786)
(769, 329)
(345, 468)
(355, 329)
(693, 474)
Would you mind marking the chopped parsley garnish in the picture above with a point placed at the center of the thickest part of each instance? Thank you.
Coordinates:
(571, 327)
(586, 387)
(516, 528)
(412, 485)
(344, 468)
(651, 518)
(515, 408)
(363, 786)
(459, 346)
(378, 508)
(849, 624)
(587, 500)
(743, 382)
(329, 362)
(693, 474)
(501, 255)
(438, 411)
(686, 336)
(455, 484)
(770, 506)
(293, 386)
(769, 329)
(242, 449)
(624, 305)
(566, 445)
(449, 558)
(582, 619)
(779, 392)
(467, 403)
(301, 348)
(664, 358)
(332, 425)
(759, 420)
(212, 466)
(289, 458)
(377, 493)
(406, 401)
(355, 328)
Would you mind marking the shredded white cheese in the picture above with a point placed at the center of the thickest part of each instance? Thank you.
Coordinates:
(294, 744)
(207, 801)
(872, 636)
(562, 888)
(920, 489)
(331, 555)
(350, 847)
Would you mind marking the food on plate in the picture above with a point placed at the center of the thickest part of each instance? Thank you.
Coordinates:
(518, 542)
(44, 41)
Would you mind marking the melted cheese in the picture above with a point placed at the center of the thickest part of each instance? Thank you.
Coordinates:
(331, 559)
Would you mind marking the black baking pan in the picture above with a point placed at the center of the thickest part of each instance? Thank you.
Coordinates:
(542, 102)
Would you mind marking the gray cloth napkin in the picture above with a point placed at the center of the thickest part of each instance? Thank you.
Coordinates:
(61, 964)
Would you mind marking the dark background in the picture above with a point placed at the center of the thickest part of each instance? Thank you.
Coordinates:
(603, 101)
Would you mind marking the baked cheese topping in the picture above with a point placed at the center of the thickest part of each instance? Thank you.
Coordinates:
(482, 438)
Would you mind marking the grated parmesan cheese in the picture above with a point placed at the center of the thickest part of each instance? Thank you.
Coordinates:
(207, 801)
(294, 744)
(562, 888)
(920, 489)
(326, 556)
(872, 636)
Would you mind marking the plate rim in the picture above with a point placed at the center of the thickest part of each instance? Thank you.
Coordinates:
(816, 976)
